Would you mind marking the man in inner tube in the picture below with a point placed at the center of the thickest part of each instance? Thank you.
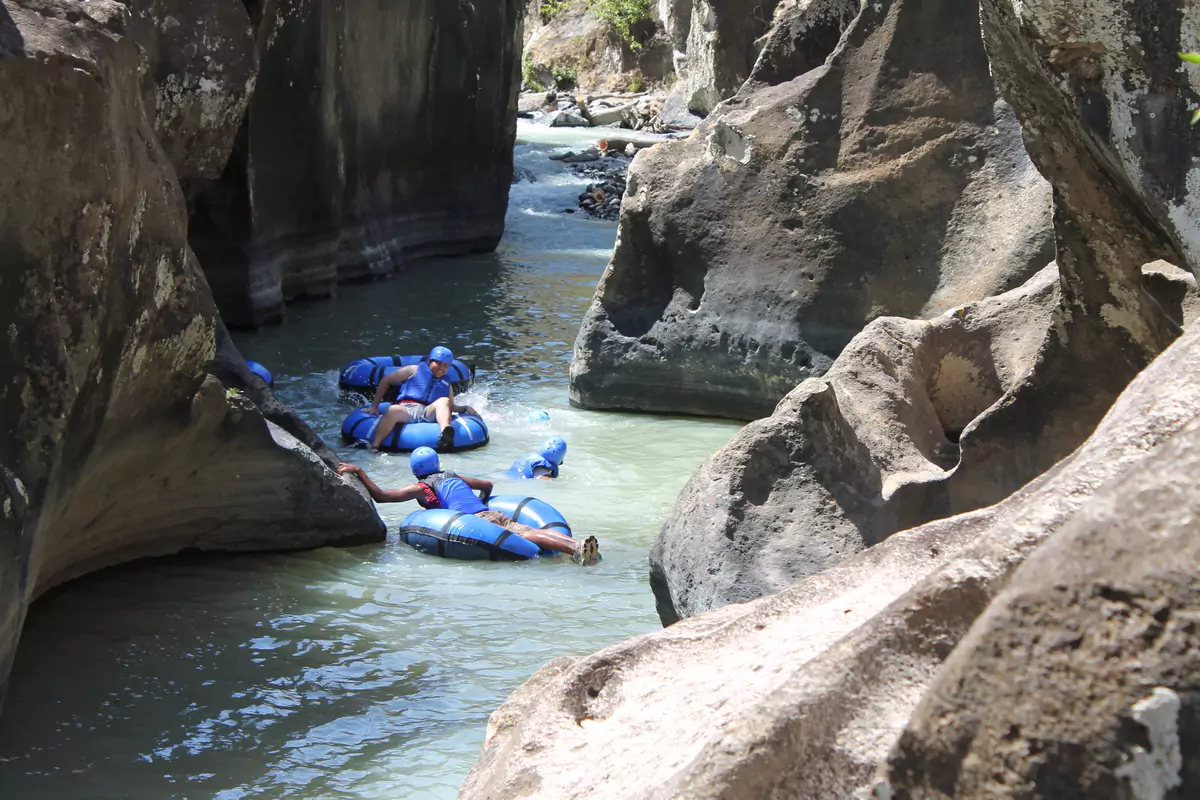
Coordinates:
(543, 464)
(425, 396)
(437, 488)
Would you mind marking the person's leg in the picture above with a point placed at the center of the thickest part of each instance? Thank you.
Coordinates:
(440, 410)
(589, 548)
(395, 415)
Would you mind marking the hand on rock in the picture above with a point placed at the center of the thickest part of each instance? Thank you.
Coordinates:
(343, 468)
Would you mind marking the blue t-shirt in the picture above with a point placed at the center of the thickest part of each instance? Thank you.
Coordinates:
(524, 466)
(453, 493)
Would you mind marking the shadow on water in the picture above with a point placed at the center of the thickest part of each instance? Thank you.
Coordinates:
(149, 634)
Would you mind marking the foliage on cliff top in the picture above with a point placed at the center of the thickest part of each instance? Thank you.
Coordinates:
(549, 9)
(623, 16)
(1192, 58)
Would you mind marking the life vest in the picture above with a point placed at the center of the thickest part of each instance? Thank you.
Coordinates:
(423, 388)
(452, 492)
(526, 464)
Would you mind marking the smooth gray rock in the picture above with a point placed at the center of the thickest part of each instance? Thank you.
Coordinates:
(849, 458)
(887, 182)
(801, 694)
(566, 119)
(378, 134)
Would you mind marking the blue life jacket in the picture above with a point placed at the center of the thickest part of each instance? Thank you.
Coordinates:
(526, 464)
(423, 388)
(453, 493)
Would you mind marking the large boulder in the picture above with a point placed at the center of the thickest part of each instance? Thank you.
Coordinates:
(378, 133)
(804, 692)
(117, 444)
(1113, 315)
(888, 181)
(851, 457)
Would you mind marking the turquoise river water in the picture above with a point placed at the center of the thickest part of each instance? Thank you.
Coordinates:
(367, 672)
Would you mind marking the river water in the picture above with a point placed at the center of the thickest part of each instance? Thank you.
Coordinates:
(367, 672)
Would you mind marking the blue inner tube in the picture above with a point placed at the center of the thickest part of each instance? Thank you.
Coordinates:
(452, 534)
(469, 432)
(363, 376)
(261, 371)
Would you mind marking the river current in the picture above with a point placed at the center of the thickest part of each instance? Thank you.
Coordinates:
(369, 672)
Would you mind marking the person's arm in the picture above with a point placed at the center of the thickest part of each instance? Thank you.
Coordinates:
(457, 409)
(484, 487)
(410, 492)
(543, 473)
(388, 381)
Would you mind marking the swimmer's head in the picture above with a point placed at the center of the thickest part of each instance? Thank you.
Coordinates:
(554, 450)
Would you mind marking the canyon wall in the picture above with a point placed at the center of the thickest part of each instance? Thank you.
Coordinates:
(121, 441)
(379, 133)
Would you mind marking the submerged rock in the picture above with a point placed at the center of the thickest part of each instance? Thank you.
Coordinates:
(886, 182)
(802, 693)
(118, 445)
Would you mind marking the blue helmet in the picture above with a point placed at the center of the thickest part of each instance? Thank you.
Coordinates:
(424, 461)
(554, 450)
(441, 354)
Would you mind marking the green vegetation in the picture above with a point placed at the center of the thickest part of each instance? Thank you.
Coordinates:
(1192, 58)
(637, 82)
(565, 77)
(232, 394)
(530, 77)
(623, 16)
(549, 9)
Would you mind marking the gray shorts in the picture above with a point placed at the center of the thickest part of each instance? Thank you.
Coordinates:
(415, 411)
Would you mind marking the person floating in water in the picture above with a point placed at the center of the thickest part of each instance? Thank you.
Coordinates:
(425, 396)
(438, 488)
(542, 464)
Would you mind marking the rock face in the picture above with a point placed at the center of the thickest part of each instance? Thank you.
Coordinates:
(849, 458)
(118, 445)
(803, 693)
(576, 40)
(887, 182)
(722, 44)
(379, 133)
(1081, 677)
(1113, 315)
(203, 70)
(804, 33)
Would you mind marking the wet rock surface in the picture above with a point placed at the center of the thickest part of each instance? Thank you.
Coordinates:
(602, 199)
